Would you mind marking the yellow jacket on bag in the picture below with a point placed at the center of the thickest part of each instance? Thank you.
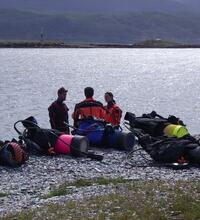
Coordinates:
(178, 131)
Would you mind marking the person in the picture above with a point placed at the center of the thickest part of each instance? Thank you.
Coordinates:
(58, 112)
(88, 108)
(113, 112)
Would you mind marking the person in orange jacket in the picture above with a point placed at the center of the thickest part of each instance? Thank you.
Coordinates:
(88, 108)
(113, 111)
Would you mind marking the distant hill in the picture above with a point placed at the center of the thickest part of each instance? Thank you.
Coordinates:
(103, 21)
(99, 27)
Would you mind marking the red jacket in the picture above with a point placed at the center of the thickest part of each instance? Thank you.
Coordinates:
(113, 114)
(88, 108)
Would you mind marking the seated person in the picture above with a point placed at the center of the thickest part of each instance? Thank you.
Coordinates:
(113, 112)
(88, 108)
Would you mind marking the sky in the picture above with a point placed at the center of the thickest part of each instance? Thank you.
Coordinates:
(102, 5)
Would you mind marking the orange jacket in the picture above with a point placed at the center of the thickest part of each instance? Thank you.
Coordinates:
(88, 108)
(113, 114)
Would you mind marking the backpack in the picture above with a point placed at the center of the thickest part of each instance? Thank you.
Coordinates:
(12, 154)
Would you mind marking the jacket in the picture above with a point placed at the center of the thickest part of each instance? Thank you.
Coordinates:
(113, 114)
(89, 108)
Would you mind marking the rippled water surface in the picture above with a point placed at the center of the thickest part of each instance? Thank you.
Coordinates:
(142, 80)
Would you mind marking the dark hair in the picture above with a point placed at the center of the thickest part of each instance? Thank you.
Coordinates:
(110, 94)
(89, 92)
(62, 90)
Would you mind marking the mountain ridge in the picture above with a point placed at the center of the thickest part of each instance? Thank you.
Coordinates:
(100, 27)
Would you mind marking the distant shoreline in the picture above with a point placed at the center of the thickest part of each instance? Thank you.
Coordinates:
(145, 44)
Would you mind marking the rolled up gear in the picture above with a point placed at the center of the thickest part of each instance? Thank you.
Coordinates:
(13, 155)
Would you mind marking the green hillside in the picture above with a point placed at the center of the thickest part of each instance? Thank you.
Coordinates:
(101, 28)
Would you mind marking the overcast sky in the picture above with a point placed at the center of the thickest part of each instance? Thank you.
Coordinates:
(102, 5)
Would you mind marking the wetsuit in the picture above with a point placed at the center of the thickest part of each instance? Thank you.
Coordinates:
(58, 114)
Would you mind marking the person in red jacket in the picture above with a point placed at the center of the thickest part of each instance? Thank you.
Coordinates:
(58, 112)
(113, 112)
(88, 108)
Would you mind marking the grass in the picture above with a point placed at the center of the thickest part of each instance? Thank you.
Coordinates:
(135, 200)
(97, 181)
(59, 191)
(63, 189)
(2, 194)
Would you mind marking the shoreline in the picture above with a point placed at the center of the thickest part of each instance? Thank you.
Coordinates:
(91, 45)
(55, 180)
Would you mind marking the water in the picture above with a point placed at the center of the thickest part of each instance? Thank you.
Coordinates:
(142, 80)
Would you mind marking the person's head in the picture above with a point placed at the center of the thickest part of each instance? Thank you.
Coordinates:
(89, 92)
(108, 97)
(62, 93)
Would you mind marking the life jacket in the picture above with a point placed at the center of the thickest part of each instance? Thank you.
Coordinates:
(113, 114)
(89, 108)
(12, 154)
(178, 131)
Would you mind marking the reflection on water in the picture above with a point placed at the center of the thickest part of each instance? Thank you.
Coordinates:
(165, 80)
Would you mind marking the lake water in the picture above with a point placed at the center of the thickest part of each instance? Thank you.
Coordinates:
(142, 80)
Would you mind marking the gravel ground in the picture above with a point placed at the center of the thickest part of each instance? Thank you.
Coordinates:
(24, 186)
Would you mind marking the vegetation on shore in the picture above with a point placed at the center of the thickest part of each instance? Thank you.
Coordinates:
(63, 189)
(157, 43)
(2, 194)
(38, 44)
(152, 200)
